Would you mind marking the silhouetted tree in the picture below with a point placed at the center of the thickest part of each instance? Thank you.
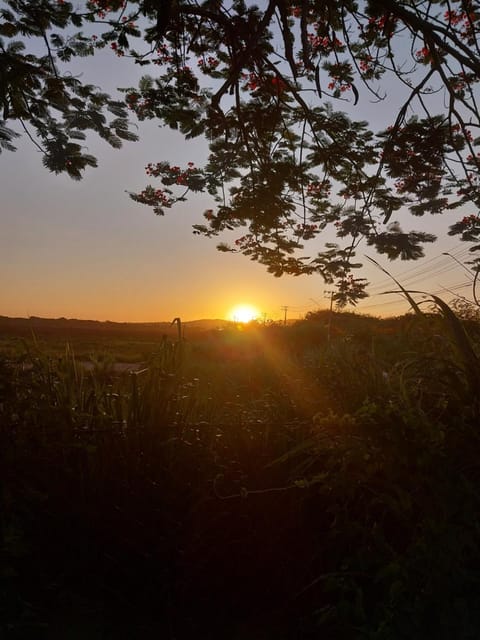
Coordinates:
(259, 82)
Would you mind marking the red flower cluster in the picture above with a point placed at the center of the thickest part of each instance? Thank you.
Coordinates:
(365, 64)
(102, 7)
(325, 44)
(173, 173)
(279, 84)
(184, 71)
(132, 99)
(385, 24)
(131, 25)
(155, 197)
(338, 84)
(423, 55)
(467, 20)
(340, 76)
(469, 221)
(252, 81)
(135, 104)
(453, 17)
(118, 50)
(378, 23)
(164, 55)
(208, 64)
(318, 189)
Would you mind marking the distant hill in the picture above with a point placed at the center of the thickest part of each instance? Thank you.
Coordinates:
(66, 326)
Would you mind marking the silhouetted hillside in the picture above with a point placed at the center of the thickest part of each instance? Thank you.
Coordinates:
(24, 327)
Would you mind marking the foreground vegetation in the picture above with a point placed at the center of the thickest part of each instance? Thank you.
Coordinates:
(315, 480)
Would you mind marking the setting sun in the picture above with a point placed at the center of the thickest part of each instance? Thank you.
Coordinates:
(243, 313)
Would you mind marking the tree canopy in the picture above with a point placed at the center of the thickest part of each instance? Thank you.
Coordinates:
(273, 88)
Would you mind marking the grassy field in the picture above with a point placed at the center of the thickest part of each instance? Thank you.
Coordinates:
(314, 480)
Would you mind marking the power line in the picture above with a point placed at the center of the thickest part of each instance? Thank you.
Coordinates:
(443, 265)
(456, 250)
(456, 287)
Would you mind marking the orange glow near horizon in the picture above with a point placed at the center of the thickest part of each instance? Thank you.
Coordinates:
(243, 313)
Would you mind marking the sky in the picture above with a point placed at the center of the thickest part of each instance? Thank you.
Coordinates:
(85, 250)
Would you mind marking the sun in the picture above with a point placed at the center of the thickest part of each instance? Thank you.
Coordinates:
(243, 313)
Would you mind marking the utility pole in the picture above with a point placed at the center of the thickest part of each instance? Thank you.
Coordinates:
(284, 309)
(330, 314)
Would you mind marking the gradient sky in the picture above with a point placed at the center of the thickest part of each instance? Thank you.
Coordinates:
(85, 250)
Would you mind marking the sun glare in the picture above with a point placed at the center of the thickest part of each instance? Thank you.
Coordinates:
(243, 313)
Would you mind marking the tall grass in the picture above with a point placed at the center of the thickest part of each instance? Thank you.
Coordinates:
(287, 487)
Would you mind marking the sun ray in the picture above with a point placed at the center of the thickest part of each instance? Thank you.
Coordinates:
(243, 313)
